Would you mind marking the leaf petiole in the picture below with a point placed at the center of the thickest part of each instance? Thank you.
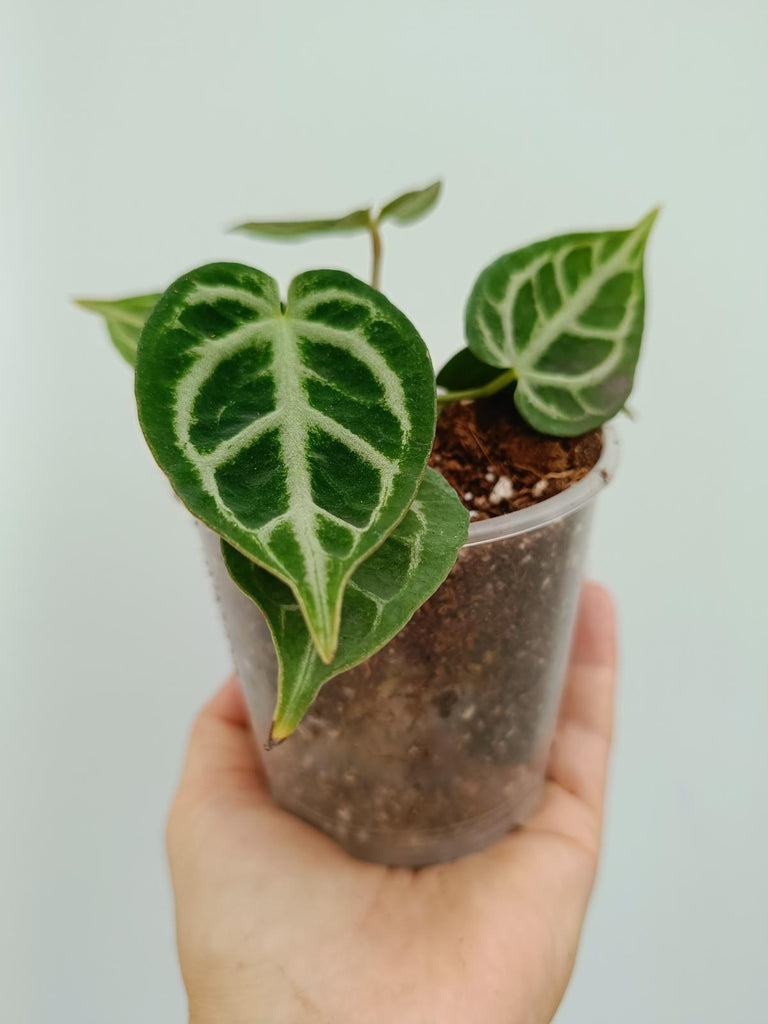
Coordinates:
(483, 391)
(376, 249)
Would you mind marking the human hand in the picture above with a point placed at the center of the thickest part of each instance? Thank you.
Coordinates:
(276, 924)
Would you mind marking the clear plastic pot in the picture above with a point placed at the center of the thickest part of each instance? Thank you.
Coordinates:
(437, 745)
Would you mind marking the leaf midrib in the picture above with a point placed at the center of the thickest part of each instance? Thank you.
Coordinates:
(291, 401)
(307, 665)
(580, 301)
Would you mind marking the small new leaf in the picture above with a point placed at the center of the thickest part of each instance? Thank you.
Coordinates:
(297, 432)
(566, 315)
(464, 370)
(380, 598)
(297, 229)
(124, 318)
(411, 206)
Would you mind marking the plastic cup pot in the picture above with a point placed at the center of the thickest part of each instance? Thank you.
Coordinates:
(438, 744)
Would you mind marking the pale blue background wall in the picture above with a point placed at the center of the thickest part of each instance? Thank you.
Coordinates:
(134, 132)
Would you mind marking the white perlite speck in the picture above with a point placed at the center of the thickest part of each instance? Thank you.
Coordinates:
(502, 491)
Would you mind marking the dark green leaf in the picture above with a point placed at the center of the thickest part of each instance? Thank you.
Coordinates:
(297, 433)
(464, 370)
(567, 316)
(380, 598)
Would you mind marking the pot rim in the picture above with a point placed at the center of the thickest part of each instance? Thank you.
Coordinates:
(559, 505)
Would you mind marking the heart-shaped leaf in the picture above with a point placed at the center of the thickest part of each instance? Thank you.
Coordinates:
(357, 221)
(566, 315)
(464, 370)
(300, 432)
(380, 598)
(411, 205)
(125, 319)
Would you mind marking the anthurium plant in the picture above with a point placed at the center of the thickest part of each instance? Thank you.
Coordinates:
(298, 426)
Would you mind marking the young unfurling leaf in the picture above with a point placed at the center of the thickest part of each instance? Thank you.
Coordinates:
(410, 206)
(403, 209)
(125, 319)
(287, 229)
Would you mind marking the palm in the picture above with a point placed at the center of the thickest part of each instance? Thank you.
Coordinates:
(276, 923)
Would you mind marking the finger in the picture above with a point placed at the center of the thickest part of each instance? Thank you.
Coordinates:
(550, 861)
(222, 758)
(228, 703)
(588, 695)
(579, 757)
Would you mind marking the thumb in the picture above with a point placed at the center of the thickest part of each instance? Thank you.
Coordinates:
(222, 760)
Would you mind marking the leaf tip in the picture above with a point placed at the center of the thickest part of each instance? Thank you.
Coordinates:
(649, 220)
(326, 650)
(278, 733)
(251, 227)
(247, 227)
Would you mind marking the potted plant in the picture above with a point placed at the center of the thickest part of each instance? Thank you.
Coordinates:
(397, 556)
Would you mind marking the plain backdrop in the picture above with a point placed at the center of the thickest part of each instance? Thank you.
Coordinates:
(135, 132)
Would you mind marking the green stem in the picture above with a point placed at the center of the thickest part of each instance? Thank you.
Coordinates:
(373, 227)
(491, 388)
